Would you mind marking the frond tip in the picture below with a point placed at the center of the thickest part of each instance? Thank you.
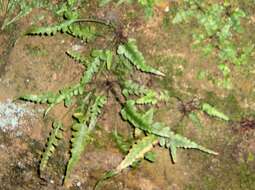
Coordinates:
(47, 97)
(178, 141)
(51, 30)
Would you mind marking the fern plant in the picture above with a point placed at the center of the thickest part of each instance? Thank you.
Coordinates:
(55, 137)
(90, 98)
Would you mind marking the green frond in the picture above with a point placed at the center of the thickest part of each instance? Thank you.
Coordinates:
(85, 33)
(212, 111)
(81, 137)
(131, 52)
(51, 30)
(149, 98)
(132, 88)
(137, 151)
(52, 143)
(82, 133)
(167, 137)
(95, 110)
(92, 68)
(77, 57)
(48, 97)
(66, 95)
(143, 122)
(177, 141)
(136, 119)
(52, 99)
(105, 56)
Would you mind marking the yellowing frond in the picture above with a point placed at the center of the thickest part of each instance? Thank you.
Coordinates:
(138, 151)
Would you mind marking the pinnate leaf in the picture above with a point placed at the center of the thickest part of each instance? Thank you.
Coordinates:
(131, 52)
(137, 151)
(212, 111)
(51, 30)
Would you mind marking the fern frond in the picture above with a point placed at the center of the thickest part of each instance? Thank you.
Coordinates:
(81, 137)
(66, 95)
(95, 110)
(77, 57)
(104, 55)
(52, 143)
(86, 33)
(148, 98)
(137, 151)
(143, 122)
(167, 137)
(92, 68)
(82, 133)
(131, 52)
(177, 141)
(51, 30)
(53, 99)
(136, 119)
(212, 111)
(132, 88)
(48, 97)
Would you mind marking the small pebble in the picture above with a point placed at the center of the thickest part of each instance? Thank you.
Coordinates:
(78, 184)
